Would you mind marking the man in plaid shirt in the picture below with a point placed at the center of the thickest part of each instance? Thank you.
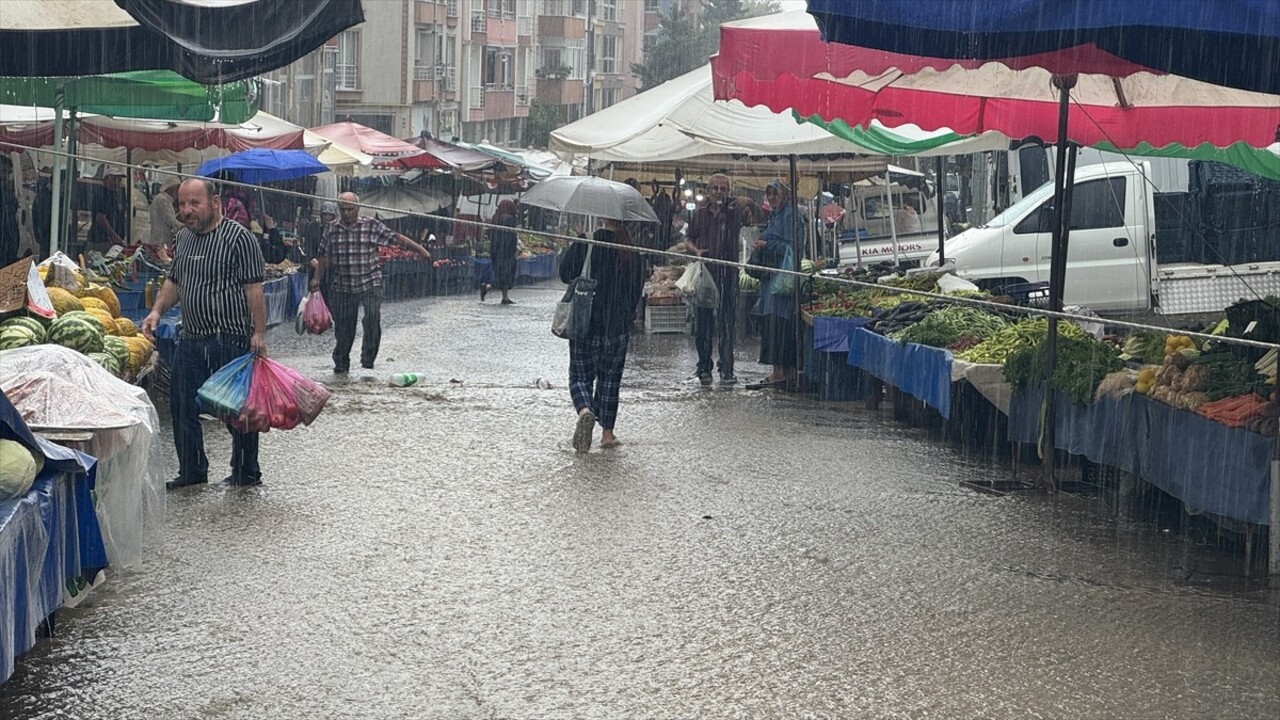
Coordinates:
(350, 246)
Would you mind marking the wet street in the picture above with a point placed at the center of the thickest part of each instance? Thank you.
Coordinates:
(439, 551)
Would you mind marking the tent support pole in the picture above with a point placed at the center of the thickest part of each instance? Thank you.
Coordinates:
(1057, 258)
(888, 202)
(1273, 537)
(797, 252)
(69, 191)
(56, 221)
(939, 197)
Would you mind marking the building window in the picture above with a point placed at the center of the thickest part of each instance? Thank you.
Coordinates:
(609, 9)
(497, 69)
(425, 52)
(347, 70)
(608, 96)
(651, 6)
(608, 54)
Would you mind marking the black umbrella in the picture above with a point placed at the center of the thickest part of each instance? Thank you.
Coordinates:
(209, 41)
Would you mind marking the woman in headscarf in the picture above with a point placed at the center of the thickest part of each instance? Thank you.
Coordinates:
(776, 306)
(596, 361)
(503, 248)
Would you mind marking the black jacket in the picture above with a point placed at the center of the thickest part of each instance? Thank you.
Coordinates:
(621, 280)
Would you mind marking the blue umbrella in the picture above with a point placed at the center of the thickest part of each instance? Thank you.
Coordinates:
(262, 165)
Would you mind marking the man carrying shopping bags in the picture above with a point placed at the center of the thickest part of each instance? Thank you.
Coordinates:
(350, 251)
(713, 233)
(217, 275)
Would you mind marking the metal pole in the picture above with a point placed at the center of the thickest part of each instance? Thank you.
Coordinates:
(939, 196)
(70, 190)
(56, 221)
(1273, 537)
(797, 252)
(1049, 435)
(893, 228)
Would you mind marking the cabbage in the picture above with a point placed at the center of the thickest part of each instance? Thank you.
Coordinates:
(18, 469)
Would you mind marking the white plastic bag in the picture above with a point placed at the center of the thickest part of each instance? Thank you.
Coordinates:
(949, 283)
(698, 287)
(298, 326)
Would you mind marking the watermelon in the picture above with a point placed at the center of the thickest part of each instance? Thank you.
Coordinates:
(16, 336)
(107, 361)
(117, 348)
(76, 333)
(33, 324)
(86, 316)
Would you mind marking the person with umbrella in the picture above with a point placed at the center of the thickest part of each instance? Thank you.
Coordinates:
(350, 246)
(596, 361)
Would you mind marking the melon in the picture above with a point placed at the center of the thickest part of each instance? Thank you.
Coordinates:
(16, 336)
(108, 322)
(106, 360)
(95, 294)
(125, 327)
(63, 301)
(117, 348)
(92, 303)
(33, 324)
(77, 333)
(85, 316)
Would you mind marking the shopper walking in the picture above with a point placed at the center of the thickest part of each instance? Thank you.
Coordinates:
(349, 251)
(217, 275)
(596, 361)
(776, 306)
(713, 233)
(504, 247)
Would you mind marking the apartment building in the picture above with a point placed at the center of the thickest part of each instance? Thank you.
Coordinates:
(469, 68)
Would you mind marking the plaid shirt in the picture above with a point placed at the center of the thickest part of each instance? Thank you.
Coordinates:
(353, 253)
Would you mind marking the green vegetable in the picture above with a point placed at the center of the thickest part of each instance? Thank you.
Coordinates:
(943, 327)
(1025, 333)
(1082, 363)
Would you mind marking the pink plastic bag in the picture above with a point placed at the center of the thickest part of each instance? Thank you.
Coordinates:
(315, 316)
(279, 398)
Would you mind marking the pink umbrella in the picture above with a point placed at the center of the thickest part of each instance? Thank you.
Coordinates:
(384, 148)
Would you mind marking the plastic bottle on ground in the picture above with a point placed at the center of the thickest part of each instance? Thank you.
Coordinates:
(406, 379)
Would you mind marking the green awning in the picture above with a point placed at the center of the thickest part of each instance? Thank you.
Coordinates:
(151, 94)
(1262, 162)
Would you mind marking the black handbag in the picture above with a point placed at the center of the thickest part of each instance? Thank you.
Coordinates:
(571, 319)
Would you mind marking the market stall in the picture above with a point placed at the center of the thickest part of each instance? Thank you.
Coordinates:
(49, 536)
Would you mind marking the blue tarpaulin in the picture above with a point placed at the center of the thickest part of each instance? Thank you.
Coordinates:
(1225, 42)
(918, 370)
(1205, 464)
(832, 334)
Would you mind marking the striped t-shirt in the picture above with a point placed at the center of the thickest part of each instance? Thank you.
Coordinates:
(211, 271)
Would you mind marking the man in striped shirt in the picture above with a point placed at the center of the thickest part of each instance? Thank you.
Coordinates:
(350, 248)
(217, 274)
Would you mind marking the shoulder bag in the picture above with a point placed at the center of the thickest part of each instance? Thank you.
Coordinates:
(572, 317)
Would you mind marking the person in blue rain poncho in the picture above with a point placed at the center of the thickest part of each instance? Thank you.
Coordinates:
(776, 307)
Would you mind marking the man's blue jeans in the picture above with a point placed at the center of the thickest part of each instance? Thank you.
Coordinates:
(195, 360)
(717, 324)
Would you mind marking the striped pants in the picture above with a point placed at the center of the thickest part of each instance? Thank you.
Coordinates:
(595, 375)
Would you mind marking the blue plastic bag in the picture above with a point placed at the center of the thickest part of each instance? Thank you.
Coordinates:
(224, 394)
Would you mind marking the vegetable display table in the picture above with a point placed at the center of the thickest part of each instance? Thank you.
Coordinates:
(1205, 464)
(917, 370)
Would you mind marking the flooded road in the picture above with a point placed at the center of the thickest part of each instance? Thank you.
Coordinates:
(440, 552)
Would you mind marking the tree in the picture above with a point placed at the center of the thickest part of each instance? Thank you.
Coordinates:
(542, 120)
(683, 45)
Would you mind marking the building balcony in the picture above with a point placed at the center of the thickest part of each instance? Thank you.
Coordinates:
(554, 91)
(424, 89)
(430, 12)
(561, 27)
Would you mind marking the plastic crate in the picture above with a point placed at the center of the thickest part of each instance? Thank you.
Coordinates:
(666, 319)
(1028, 294)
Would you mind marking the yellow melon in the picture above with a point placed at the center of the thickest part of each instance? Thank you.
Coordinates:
(126, 327)
(92, 303)
(108, 297)
(64, 301)
(104, 317)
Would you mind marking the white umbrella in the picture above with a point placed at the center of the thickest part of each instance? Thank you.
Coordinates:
(593, 196)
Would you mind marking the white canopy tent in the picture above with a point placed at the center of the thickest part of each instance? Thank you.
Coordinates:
(680, 122)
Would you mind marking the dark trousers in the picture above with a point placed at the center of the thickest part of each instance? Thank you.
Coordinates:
(344, 307)
(717, 325)
(195, 360)
(595, 375)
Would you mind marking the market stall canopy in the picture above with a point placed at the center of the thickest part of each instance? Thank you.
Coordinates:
(513, 160)
(401, 200)
(780, 61)
(382, 147)
(681, 120)
(154, 94)
(1234, 43)
(458, 158)
(210, 41)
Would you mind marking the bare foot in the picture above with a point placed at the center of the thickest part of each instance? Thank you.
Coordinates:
(609, 440)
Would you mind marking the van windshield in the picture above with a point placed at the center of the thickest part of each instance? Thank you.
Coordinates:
(1018, 209)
